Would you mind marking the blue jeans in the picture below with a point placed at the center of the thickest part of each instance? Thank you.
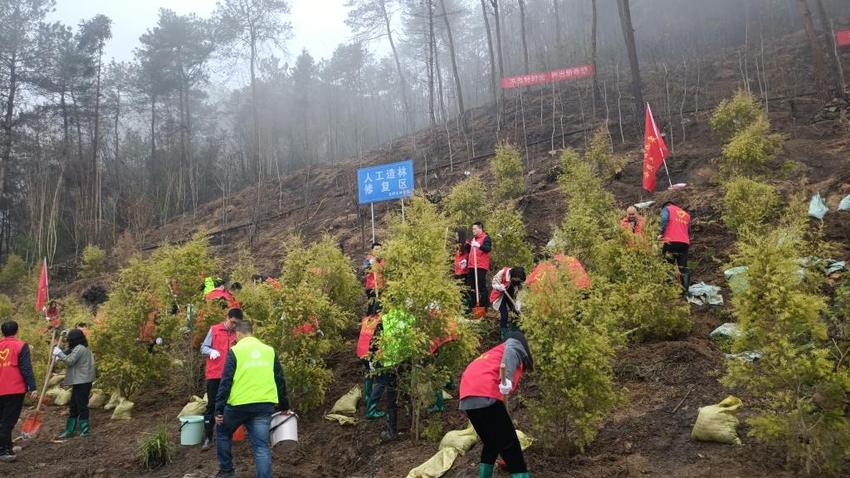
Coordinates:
(257, 420)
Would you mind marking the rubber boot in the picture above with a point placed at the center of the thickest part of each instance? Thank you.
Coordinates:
(390, 432)
(367, 391)
(520, 475)
(208, 435)
(372, 411)
(686, 284)
(70, 427)
(503, 333)
(439, 405)
(485, 470)
(84, 427)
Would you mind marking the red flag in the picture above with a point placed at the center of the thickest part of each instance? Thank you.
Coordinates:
(654, 151)
(41, 297)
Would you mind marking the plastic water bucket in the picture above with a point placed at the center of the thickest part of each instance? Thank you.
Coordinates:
(239, 434)
(191, 430)
(284, 427)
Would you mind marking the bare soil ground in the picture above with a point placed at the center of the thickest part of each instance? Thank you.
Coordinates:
(643, 437)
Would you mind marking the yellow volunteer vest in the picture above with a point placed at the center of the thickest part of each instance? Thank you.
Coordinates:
(253, 381)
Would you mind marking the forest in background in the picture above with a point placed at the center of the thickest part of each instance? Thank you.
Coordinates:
(91, 149)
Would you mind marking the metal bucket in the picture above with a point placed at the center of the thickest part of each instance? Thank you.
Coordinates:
(284, 427)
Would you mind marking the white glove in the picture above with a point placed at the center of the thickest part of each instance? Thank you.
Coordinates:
(500, 287)
(506, 388)
(214, 354)
(57, 351)
(518, 306)
(463, 264)
(475, 243)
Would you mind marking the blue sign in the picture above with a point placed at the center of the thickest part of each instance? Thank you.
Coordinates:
(386, 182)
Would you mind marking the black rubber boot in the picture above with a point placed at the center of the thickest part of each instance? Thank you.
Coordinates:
(390, 432)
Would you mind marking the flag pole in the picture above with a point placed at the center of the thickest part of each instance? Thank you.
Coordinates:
(668, 173)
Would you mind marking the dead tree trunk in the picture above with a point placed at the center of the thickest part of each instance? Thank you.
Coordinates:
(458, 85)
(407, 116)
(432, 50)
(629, 37)
(593, 58)
(829, 38)
(490, 51)
(524, 36)
(821, 85)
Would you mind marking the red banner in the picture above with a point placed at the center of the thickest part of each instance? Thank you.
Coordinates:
(842, 38)
(654, 151)
(41, 294)
(542, 78)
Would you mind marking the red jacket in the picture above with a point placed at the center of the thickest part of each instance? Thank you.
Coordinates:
(11, 378)
(481, 377)
(373, 274)
(677, 225)
(225, 295)
(506, 282)
(478, 259)
(461, 265)
(222, 340)
(367, 331)
(578, 275)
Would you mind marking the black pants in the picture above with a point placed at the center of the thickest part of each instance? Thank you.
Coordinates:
(504, 308)
(498, 435)
(209, 415)
(80, 401)
(483, 292)
(677, 253)
(10, 411)
(373, 304)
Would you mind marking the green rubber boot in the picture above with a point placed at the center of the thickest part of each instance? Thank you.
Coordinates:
(367, 391)
(70, 427)
(84, 427)
(520, 475)
(372, 412)
(439, 405)
(503, 333)
(485, 470)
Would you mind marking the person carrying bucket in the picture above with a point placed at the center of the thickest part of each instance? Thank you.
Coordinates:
(479, 264)
(215, 347)
(506, 285)
(484, 385)
(80, 373)
(16, 379)
(252, 388)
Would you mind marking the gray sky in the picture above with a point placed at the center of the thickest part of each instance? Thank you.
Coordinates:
(318, 25)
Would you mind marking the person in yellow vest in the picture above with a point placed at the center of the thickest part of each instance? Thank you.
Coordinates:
(252, 388)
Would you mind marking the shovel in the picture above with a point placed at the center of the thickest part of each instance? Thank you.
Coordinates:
(478, 312)
(32, 424)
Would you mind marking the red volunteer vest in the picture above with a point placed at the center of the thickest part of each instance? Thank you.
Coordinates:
(222, 340)
(495, 294)
(481, 377)
(461, 264)
(307, 328)
(367, 331)
(476, 254)
(677, 225)
(369, 281)
(224, 295)
(11, 379)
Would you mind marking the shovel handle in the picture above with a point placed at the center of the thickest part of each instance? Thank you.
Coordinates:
(51, 362)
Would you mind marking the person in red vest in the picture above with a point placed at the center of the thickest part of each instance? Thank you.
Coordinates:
(373, 279)
(460, 268)
(633, 223)
(215, 346)
(222, 295)
(543, 271)
(482, 394)
(16, 379)
(479, 262)
(675, 231)
(507, 281)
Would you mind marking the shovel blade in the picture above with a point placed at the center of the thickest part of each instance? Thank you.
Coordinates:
(31, 426)
(479, 312)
